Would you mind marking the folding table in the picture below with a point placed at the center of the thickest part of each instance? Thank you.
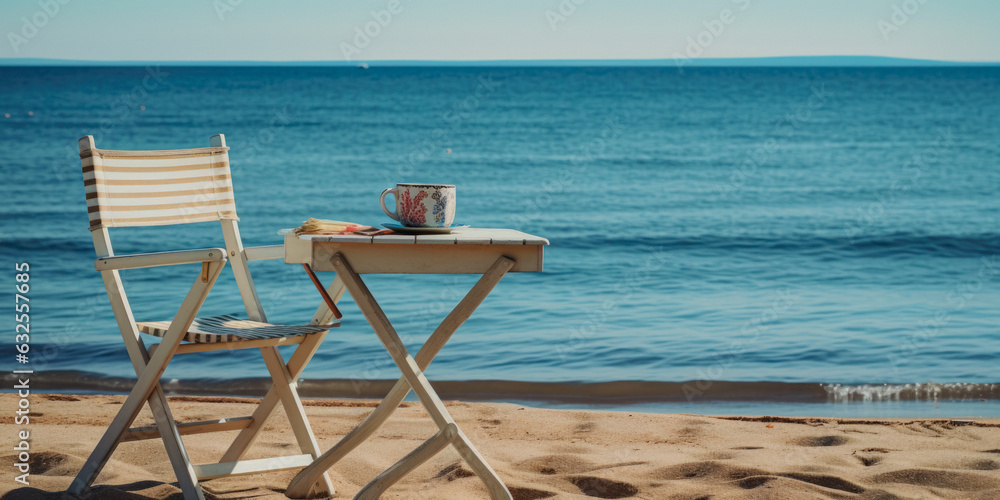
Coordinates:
(491, 253)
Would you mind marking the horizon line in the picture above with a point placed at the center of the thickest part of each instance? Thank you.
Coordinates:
(797, 60)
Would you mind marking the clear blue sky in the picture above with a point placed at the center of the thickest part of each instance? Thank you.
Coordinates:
(964, 30)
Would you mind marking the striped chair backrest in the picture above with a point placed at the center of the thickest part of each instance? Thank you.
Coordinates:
(153, 188)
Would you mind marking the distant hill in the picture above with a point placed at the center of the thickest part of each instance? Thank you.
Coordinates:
(785, 61)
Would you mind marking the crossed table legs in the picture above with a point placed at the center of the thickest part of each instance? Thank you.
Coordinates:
(413, 377)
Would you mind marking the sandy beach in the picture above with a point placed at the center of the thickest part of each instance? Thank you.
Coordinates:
(543, 453)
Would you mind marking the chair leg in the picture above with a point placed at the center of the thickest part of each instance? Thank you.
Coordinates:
(287, 392)
(300, 358)
(299, 487)
(147, 384)
(296, 365)
(186, 477)
(167, 426)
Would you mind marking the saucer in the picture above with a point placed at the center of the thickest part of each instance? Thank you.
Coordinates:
(399, 228)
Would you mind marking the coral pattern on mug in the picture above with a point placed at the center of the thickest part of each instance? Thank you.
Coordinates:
(440, 207)
(414, 210)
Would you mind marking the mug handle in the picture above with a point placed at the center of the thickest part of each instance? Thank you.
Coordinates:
(381, 201)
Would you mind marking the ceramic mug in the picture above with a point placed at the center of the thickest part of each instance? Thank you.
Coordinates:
(422, 205)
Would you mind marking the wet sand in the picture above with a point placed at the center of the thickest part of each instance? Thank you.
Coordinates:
(539, 453)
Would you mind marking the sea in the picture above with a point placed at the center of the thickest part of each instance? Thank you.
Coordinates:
(781, 241)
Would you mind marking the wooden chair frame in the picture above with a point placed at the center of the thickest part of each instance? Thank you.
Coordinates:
(149, 364)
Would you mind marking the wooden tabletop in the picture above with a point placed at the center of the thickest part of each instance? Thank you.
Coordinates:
(469, 236)
(468, 251)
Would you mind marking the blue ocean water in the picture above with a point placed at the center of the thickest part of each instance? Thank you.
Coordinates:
(814, 226)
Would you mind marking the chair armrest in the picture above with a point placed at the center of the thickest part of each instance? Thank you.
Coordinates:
(265, 252)
(139, 260)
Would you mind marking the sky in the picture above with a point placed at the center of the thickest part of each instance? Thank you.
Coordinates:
(324, 30)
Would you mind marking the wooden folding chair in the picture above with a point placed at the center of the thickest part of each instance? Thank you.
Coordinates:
(153, 188)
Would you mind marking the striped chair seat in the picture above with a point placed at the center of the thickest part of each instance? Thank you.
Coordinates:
(228, 328)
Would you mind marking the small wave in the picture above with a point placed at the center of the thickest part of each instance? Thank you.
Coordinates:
(596, 393)
(883, 245)
(62, 246)
(838, 393)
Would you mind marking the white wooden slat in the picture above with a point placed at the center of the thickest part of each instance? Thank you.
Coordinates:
(238, 263)
(513, 237)
(187, 428)
(354, 238)
(476, 236)
(436, 239)
(395, 238)
(158, 162)
(265, 252)
(159, 259)
(341, 238)
(482, 240)
(308, 237)
(243, 467)
(160, 153)
(521, 238)
(507, 241)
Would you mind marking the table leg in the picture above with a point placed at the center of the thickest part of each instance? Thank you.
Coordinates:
(429, 448)
(300, 485)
